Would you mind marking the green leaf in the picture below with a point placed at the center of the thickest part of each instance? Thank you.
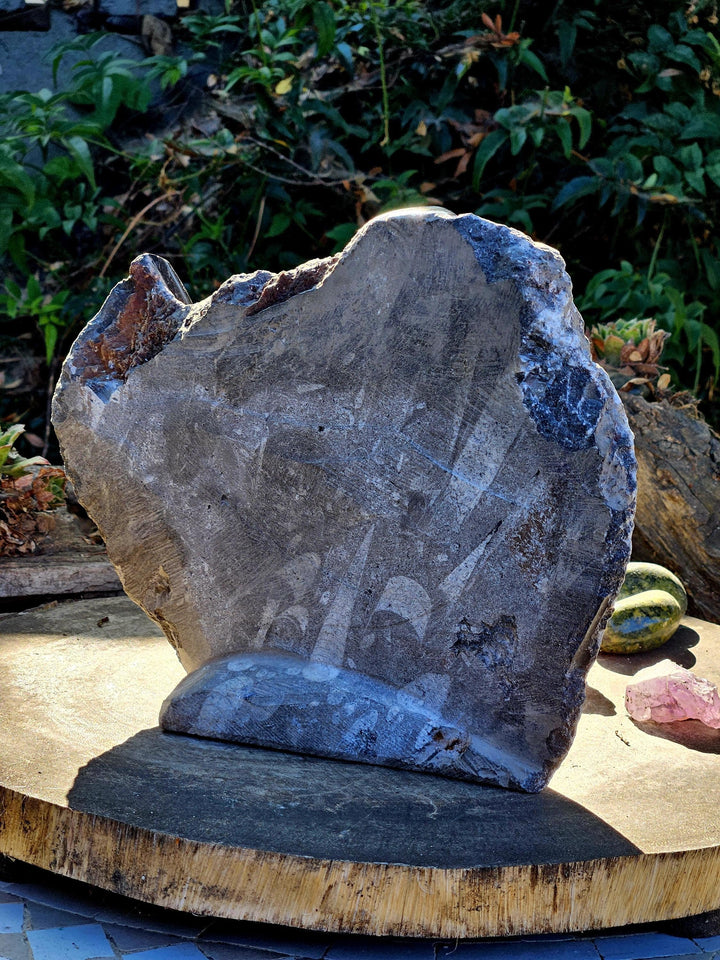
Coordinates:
(9, 436)
(534, 62)
(489, 146)
(691, 157)
(712, 268)
(575, 189)
(712, 166)
(629, 167)
(679, 111)
(666, 170)
(566, 34)
(683, 54)
(324, 19)
(14, 177)
(703, 126)
(710, 338)
(603, 166)
(34, 290)
(226, 28)
(661, 123)
(342, 235)
(81, 154)
(646, 64)
(659, 39)
(50, 334)
(13, 289)
(696, 180)
(518, 136)
(584, 119)
(565, 135)
(279, 224)
(345, 55)
(537, 135)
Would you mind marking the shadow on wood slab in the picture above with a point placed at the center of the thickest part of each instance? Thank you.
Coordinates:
(248, 797)
(688, 733)
(596, 702)
(676, 649)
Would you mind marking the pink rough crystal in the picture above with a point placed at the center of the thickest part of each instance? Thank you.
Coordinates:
(678, 695)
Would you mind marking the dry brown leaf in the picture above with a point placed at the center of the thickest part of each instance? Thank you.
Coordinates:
(450, 155)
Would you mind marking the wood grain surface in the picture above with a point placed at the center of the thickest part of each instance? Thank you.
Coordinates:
(90, 788)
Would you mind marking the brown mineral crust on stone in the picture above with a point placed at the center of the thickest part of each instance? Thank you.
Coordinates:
(291, 282)
(385, 514)
(145, 313)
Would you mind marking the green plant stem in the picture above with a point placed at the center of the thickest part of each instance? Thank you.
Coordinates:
(694, 246)
(383, 76)
(513, 18)
(261, 47)
(656, 249)
(698, 360)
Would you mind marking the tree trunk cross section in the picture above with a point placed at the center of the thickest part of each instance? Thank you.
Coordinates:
(626, 832)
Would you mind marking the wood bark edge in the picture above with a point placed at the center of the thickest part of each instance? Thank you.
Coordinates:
(348, 897)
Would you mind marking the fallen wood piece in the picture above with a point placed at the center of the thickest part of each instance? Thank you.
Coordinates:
(55, 576)
(677, 523)
(67, 565)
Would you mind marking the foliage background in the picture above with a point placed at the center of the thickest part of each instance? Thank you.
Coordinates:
(272, 130)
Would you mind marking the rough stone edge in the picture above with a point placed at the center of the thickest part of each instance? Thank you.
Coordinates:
(554, 321)
(140, 315)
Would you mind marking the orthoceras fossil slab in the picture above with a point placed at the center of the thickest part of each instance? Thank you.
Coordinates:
(380, 504)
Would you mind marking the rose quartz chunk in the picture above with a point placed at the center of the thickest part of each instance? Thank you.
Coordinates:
(678, 695)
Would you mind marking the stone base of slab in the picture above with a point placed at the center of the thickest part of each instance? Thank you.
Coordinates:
(278, 700)
(91, 788)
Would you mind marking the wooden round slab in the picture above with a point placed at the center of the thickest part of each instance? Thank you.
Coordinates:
(628, 830)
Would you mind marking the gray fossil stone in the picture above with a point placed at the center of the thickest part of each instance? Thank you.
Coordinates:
(380, 504)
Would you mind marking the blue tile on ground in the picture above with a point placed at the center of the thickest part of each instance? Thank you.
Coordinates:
(162, 922)
(708, 944)
(41, 917)
(56, 895)
(520, 950)
(228, 951)
(180, 951)
(8, 897)
(300, 943)
(135, 938)
(47, 893)
(379, 948)
(12, 916)
(70, 943)
(14, 946)
(645, 946)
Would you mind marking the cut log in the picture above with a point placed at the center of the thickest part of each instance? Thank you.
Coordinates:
(68, 565)
(91, 789)
(677, 523)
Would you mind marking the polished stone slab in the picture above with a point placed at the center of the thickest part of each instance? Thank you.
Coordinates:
(390, 489)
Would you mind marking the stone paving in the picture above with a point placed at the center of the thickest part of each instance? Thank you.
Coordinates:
(52, 918)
